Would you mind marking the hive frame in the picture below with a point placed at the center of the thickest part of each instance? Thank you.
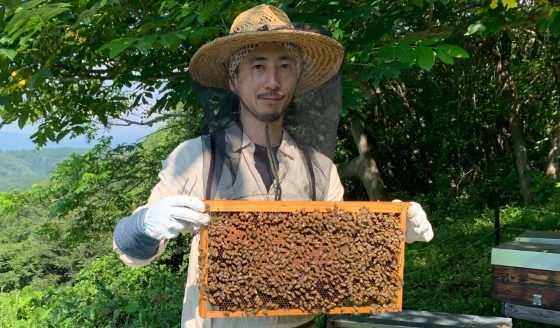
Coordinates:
(308, 206)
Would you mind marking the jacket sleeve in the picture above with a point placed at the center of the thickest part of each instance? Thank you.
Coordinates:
(181, 174)
(133, 246)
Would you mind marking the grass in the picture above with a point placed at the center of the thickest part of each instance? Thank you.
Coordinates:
(453, 273)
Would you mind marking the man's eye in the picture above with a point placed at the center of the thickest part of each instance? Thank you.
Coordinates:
(286, 66)
(258, 67)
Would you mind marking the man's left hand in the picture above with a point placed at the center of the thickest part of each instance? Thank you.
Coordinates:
(418, 228)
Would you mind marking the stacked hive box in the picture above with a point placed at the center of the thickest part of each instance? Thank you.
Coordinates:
(527, 276)
(293, 258)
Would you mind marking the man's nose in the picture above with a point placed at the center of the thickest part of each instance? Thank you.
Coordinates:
(272, 79)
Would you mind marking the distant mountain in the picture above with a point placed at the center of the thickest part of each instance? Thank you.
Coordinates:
(20, 169)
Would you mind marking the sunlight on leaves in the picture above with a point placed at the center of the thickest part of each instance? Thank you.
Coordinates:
(508, 4)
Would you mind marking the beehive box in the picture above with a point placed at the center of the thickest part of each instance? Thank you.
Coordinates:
(261, 258)
(526, 276)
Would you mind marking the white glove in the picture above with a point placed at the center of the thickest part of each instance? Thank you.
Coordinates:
(418, 228)
(173, 215)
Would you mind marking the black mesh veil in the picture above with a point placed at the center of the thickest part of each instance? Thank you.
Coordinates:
(311, 119)
(220, 107)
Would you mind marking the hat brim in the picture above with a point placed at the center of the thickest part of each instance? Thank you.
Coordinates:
(321, 56)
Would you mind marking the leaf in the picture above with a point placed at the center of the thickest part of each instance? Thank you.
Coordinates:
(146, 43)
(477, 27)
(405, 54)
(16, 25)
(390, 71)
(509, 4)
(434, 40)
(555, 25)
(387, 53)
(453, 50)
(117, 46)
(444, 57)
(22, 120)
(195, 38)
(11, 54)
(31, 4)
(169, 40)
(62, 134)
(30, 19)
(365, 55)
(425, 57)
(165, 5)
(542, 25)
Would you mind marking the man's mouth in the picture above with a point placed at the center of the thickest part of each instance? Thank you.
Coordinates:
(270, 96)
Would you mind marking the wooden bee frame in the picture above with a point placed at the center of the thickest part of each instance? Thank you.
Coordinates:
(219, 206)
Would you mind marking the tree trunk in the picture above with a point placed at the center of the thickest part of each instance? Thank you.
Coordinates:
(508, 92)
(553, 60)
(364, 166)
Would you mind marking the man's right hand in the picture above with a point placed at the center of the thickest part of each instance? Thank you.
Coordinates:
(173, 215)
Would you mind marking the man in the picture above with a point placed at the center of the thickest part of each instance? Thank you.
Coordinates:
(264, 62)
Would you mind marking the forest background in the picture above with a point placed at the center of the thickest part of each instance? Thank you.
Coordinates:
(454, 104)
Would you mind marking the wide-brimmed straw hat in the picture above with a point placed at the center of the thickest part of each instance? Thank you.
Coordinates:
(321, 55)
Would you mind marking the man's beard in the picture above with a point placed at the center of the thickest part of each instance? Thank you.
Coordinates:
(267, 117)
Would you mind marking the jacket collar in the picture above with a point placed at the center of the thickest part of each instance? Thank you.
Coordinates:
(287, 147)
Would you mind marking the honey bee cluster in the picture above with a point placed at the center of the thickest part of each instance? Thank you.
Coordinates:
(313, 261)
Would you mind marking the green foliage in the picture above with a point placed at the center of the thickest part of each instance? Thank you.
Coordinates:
(445, 134)
(52, 231)
(94, 61)
(95, 190)
(29, 257)
(106, 294)
(72, 71)
(30, 18)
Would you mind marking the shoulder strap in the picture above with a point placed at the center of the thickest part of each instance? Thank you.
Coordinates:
(208, 164)
(318, 173)
(306, 152)
(309, 165)
(217, 154)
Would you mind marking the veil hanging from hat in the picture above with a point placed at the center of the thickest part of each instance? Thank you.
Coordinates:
(311, 119)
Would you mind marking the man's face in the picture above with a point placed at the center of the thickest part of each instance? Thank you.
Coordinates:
(265, 81)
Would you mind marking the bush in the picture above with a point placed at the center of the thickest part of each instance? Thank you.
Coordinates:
(106, 294)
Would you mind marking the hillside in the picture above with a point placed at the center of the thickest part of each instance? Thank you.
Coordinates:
(20, 169)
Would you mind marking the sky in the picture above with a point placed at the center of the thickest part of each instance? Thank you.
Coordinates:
(12, 138)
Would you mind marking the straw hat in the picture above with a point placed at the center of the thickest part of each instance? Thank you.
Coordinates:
(321, 55)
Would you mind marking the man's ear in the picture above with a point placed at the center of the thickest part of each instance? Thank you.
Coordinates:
(233, 84)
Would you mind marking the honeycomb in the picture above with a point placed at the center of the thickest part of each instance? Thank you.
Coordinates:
(315, 262)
